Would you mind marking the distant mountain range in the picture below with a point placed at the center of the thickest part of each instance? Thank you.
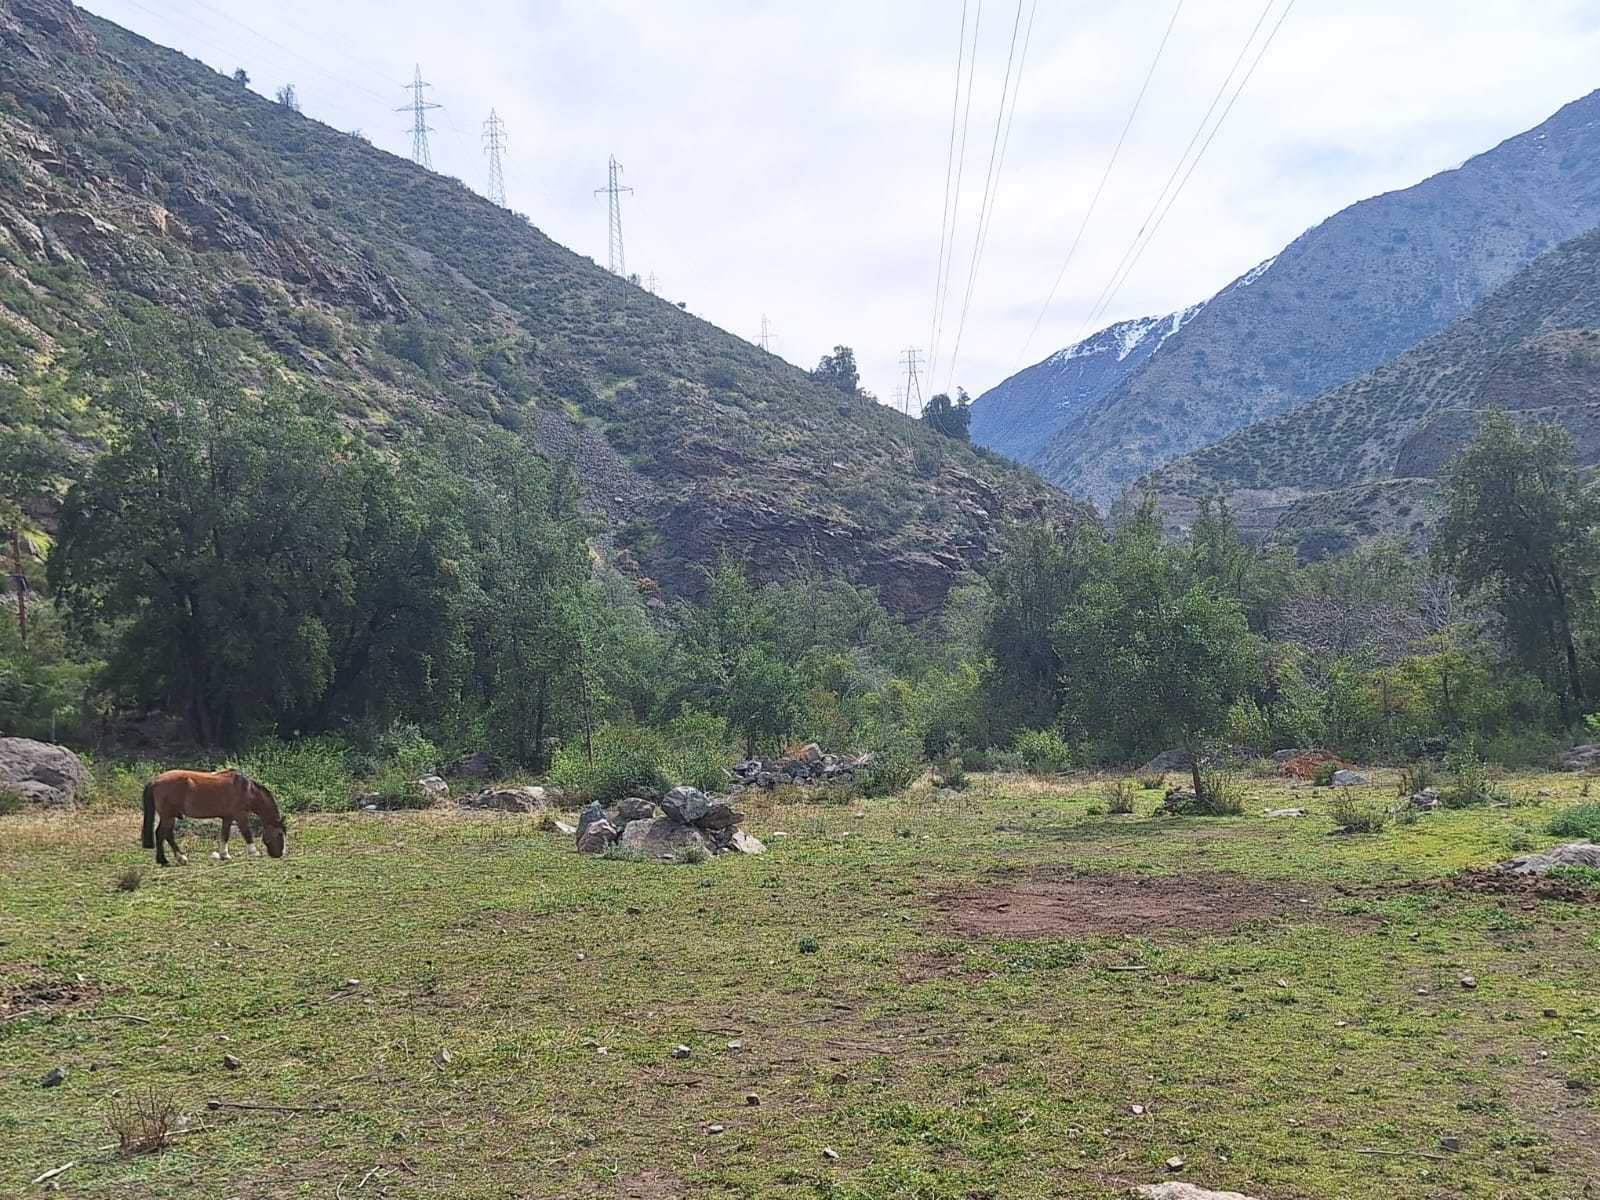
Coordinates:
(1351, 294)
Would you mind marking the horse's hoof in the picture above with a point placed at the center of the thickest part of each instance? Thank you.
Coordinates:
(183, 860)
(216, 856)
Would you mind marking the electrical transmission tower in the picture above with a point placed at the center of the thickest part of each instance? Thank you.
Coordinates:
(765, 341)
(494, 145)
(911, 360)
(650, 283)
(613, 192)
(418, 108)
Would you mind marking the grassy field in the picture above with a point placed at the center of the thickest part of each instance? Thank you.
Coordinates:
(999, 993)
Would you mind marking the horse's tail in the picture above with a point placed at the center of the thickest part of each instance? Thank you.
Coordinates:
(147, 835)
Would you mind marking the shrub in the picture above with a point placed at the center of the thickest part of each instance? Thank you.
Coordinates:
(952, 773)
(626, 758)
(1118, 795)
(1153, 783)
(1219, 793)
(1351, 817)
(1044, 751)
(142, 1122)
(700, 747)
(130, 880)
(10, 801)
(1416, 778)
(1322, 774)
(307, 775)
(1470, 784)
(693, 855)
(1586, 876)
(894, 768)
(1581, 821)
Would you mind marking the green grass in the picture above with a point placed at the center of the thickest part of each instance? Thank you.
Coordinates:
(934, 1063)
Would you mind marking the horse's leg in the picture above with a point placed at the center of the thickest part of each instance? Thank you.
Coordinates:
(172, 839)
(163, 830)
(249, 838)
(221, 852)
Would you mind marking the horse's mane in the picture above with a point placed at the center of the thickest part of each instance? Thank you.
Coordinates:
(255, 787)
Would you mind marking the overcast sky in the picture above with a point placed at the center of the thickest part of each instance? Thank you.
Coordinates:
(789, 158)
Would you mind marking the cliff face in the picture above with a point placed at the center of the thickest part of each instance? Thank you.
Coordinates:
(133, 177)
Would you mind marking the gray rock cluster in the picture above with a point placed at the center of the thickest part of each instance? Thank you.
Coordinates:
(808, 765)
(1582, 758)
(1573, 854)
(40, 772)
(689, 820)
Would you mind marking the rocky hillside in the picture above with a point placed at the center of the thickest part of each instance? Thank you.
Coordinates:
(132, 177)
(1360, 459)
(1350, 294)
(1018, 417)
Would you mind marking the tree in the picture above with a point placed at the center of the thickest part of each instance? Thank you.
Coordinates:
(1254, 576)
(838, 371)
(1518, 525)
(29, 461)
(951, 418)
(241, 77)
(286, 97)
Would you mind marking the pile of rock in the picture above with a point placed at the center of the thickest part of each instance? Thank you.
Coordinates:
(1582, 758)
(807, 765)
(1573, 854)
(689, 820)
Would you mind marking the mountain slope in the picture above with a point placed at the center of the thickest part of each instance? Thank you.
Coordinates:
(1355, 291)
(132, 177)
(1019, 416)
(1331, 465)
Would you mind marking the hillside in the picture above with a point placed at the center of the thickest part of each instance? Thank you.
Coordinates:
(1360, 458)
(1363, 286)
(1019, 416)
(132, 177)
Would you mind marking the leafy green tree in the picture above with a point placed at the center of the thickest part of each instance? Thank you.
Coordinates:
(1256, 577)
(838, 371)
(763, 699)
(1519, 525)
(951, 418)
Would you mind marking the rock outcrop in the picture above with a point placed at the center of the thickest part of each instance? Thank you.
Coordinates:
(40, 772)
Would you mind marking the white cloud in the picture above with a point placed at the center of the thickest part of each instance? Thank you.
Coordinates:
(789, 159)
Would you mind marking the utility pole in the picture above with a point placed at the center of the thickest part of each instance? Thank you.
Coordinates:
(418, 108)
(650, 283)
(494, 144)
(613, 192)
(765, 340)
(911, 360)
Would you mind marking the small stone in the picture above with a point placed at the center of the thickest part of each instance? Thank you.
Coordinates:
(602, 1050)
(1551, 1013)
(351, 983)
(442, 1058)
(582, 956)
(1136, 1109)
(55, 1077)
(1175, 1163)
(1468, 982)
(752, 1100)
(681, 1051)
(736, 1044)
(713, 1129)
(1452, 1144)
(232, 1062)
(829, 1153)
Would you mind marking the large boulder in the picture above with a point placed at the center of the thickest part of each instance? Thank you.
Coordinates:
(661, 836)
(685, 804)
(41, 772)
(480, 764)
(592, 813)
(1582, 758)
(719, 814)
(634, 808)
(596, 837)
(432, 787)
(746, 843)
(1573, 854)
(1176, 759)
(1185, 1191)
(1347, 778)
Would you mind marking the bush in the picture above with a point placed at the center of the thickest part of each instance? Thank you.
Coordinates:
(1580, 822)
(894, 768)
(700, 747)
(307, 775)
(1044, 751)
(10, 801)
(142, 1122)
(952, 773)
(1220, 793)
(1351, 817)
(1153, 783)
(1470, 784)
(1118, 795)
(626, 758)
(1322, 775)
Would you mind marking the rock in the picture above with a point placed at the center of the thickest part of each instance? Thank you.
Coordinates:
(590, 814)
(1469, 982)
(633, 809)
(54, 1077)
(596, 837)
(714, 1129)
(40, 772)
(719, 814)
(752, 1100)
(563, 827)
(511, 799)
(1284, 812)
(1582, 758)
(681, 1051)
(659, 836)
(1282, 756)
(1175, 1163)
(1184, 1191)
(480, 764)
(1348, 778)
(434, 788)
(685, 804)
(1176, 759)
(746, 843)
(829, 1153)
(1573, 854)
(232, 1062)
(1427, 799)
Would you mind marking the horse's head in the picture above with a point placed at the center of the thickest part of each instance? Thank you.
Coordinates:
(273, 824)
(272, 835)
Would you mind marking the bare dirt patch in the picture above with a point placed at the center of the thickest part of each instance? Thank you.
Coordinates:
(1526, 887)
(36, 995)
(1101, 903)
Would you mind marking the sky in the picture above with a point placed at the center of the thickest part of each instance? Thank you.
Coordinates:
(790, 159)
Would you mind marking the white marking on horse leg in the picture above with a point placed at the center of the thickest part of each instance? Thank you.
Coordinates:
(183, 859)
(253, 851)
(217, 855)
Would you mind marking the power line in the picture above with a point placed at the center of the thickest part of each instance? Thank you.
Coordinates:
(991, 185)
(615, 258)
(1206, 145)
(943, 298)
(418, 108)
(494, 144)
(949, 168)
(1105, 177)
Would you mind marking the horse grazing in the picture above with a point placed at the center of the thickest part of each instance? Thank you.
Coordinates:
(231, 795)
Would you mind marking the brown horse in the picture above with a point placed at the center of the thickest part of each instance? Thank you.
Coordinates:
(231, 795)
